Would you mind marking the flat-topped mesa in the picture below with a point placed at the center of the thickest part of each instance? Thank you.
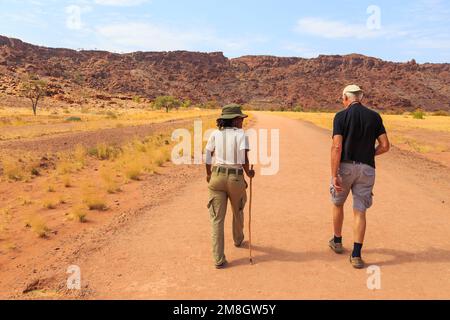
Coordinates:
(277, 81)
(254, 62)
(179, 57)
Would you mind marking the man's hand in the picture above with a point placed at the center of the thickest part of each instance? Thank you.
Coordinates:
(383, 145)
(251, 173)
(208, 178)
(337, 183)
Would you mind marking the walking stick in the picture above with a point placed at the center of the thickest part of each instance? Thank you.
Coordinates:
(250, 219)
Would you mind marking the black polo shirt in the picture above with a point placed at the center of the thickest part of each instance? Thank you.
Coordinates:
(360, 128)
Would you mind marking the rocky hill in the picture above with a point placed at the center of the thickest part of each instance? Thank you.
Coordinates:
(262, 81)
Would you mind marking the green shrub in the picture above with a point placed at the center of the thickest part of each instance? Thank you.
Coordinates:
(73, 119)
(418, 114)
(298, 109)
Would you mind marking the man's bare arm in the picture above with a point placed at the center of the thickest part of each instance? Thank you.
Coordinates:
(383, 145)
(336, 153)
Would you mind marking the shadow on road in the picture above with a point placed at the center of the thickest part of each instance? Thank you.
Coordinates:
(396, 257)
(393, 257)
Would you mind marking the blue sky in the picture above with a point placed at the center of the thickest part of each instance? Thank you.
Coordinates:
(391, 30)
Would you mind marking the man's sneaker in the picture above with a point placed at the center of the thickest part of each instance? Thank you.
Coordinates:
(336, 247)
(222, 265)
(357, 262)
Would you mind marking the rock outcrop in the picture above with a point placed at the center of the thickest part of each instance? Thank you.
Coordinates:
(264, 81)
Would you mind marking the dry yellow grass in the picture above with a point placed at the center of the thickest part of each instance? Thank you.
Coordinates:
(79, 214)
(18, 167)
(428, 135)
(116, 164)
(406, 122)
(95, 202)
(93, 199)
(110, 179)
(37, 225)
(65, 166)
(103, 152)
(80, 154)
(394, 122)
(67, 181)
(22, 124)
(12, 169)
(50, 204)
(134, 165)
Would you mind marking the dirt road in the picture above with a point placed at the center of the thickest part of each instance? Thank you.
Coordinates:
(165, 253)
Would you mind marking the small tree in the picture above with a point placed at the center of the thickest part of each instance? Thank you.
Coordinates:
(35, 90)
(186, 104)
(166, 102)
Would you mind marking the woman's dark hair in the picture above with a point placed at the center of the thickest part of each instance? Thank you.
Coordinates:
(225, 123)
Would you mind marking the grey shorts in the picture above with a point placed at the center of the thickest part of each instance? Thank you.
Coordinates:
(360, 179)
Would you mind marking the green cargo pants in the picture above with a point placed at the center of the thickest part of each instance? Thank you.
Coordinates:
(224, 186)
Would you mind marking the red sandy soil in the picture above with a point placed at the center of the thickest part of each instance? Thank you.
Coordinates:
(163, 249)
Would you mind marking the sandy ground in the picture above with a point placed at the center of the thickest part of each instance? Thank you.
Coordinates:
(164, 252)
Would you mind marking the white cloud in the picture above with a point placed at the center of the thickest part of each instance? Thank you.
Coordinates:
(73, 19)
(120, 3)
(147, 36)
(132, 36)
(335, 29)
(74, 16)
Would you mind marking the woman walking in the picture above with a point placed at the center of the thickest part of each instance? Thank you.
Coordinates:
(229, 146)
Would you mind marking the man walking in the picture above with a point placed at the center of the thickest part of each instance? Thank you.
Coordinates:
(355, 132)
(230, 146)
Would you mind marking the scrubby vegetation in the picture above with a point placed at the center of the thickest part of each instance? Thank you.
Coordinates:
(79, 214)
(37, 225)
(77, 180)
(418, 114)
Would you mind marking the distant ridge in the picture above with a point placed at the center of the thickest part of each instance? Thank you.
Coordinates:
(264, 81)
